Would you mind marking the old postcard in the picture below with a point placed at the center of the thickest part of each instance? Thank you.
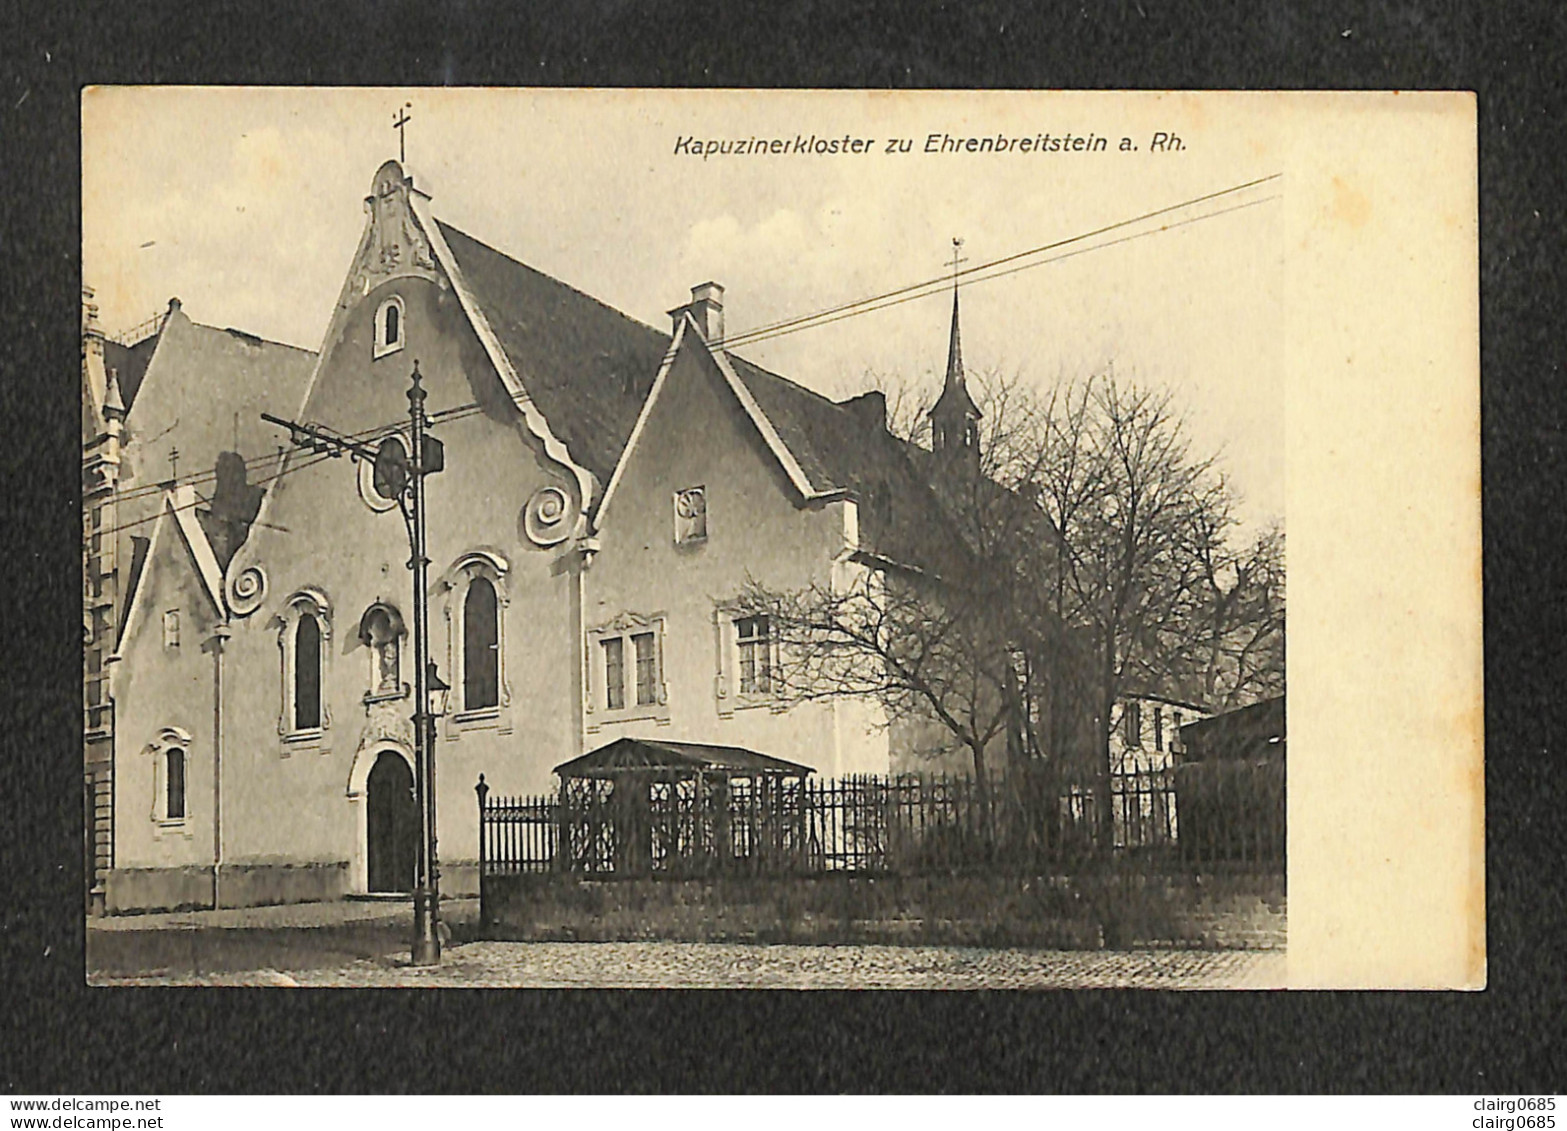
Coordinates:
(781, 539)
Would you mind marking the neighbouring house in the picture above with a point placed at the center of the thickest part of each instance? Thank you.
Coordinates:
(1145, 746)
(1254, 732)
(608, 491)
(167, 392)
(1231, 786)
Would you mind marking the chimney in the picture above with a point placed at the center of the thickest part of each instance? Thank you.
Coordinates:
(707, 311)
(870, 408)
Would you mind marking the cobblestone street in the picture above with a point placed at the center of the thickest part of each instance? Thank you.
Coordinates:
(724, 966)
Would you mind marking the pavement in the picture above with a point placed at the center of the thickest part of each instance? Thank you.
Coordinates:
(299, 936)
(354, 944)
(337, 913)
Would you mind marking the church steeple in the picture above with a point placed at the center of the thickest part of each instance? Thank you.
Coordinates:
(954, 419)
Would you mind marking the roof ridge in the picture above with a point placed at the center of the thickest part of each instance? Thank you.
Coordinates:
(492, 249)
(790, 381)
(248, 334)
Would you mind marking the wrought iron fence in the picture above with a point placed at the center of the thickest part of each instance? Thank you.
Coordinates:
(1206, 815)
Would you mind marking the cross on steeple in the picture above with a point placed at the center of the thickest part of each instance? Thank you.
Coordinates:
(957, 246)
(399, 120)
(174, 464)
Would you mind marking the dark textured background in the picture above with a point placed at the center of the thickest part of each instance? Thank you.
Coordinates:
(59, 1036)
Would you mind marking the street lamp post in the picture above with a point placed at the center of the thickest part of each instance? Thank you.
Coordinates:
(427, 939)
(427, 942)
(401, 477)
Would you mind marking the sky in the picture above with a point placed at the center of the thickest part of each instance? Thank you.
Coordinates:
(248, 206)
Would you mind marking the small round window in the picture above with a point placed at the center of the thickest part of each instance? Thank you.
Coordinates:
(368, 490)
(391, 327)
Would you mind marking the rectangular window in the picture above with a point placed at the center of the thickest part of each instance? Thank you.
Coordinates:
(647, 668)
(1175, 730)
(754, 635)
(171, 629)
(1132, 724)
(614, 673)
(1158, 728)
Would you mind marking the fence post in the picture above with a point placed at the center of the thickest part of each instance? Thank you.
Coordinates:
(483, 792)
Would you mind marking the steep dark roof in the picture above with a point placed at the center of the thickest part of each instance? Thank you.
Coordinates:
(586, 365)
(130, 363)
(589, 368)
(635, 755)
(839, 449)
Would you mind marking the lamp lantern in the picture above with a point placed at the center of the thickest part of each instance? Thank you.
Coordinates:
(440, 692)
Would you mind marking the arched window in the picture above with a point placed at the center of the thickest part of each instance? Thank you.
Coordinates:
(171, 778)
(304, 630)
(307, 673)
(174, 784)
(391, 329)
(481, 644)
(474, 608)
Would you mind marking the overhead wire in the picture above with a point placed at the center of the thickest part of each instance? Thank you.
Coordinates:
(443, 416)
(940, 286)
(979, 273)
(457, 412)
(945, 280)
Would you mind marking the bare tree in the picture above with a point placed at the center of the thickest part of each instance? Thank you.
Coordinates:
(921, 648)
(955, 638)
(1133, 505)
(1242, 620)
(1089, 551)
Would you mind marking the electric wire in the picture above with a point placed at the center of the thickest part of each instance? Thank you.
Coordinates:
(980, 273)
(945, 280)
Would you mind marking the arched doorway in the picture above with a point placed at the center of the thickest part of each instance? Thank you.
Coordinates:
(391, 825)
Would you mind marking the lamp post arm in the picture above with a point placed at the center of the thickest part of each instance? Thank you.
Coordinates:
(319, 439)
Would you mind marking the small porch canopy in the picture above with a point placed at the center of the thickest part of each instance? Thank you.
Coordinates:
(657, 760)
(640, 806)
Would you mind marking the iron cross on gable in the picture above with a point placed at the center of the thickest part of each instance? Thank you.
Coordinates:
(399, 120)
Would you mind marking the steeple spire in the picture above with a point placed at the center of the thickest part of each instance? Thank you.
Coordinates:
(954, 419)
(955, 351)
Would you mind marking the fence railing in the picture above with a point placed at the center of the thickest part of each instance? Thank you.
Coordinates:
(1203, 815)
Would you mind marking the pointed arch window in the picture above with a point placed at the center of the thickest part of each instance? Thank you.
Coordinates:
(304, 633)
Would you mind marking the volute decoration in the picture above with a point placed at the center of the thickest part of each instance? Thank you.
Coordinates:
(547, 517)
(247, 589)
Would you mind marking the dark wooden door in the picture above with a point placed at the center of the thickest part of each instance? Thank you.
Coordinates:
(391, 825)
